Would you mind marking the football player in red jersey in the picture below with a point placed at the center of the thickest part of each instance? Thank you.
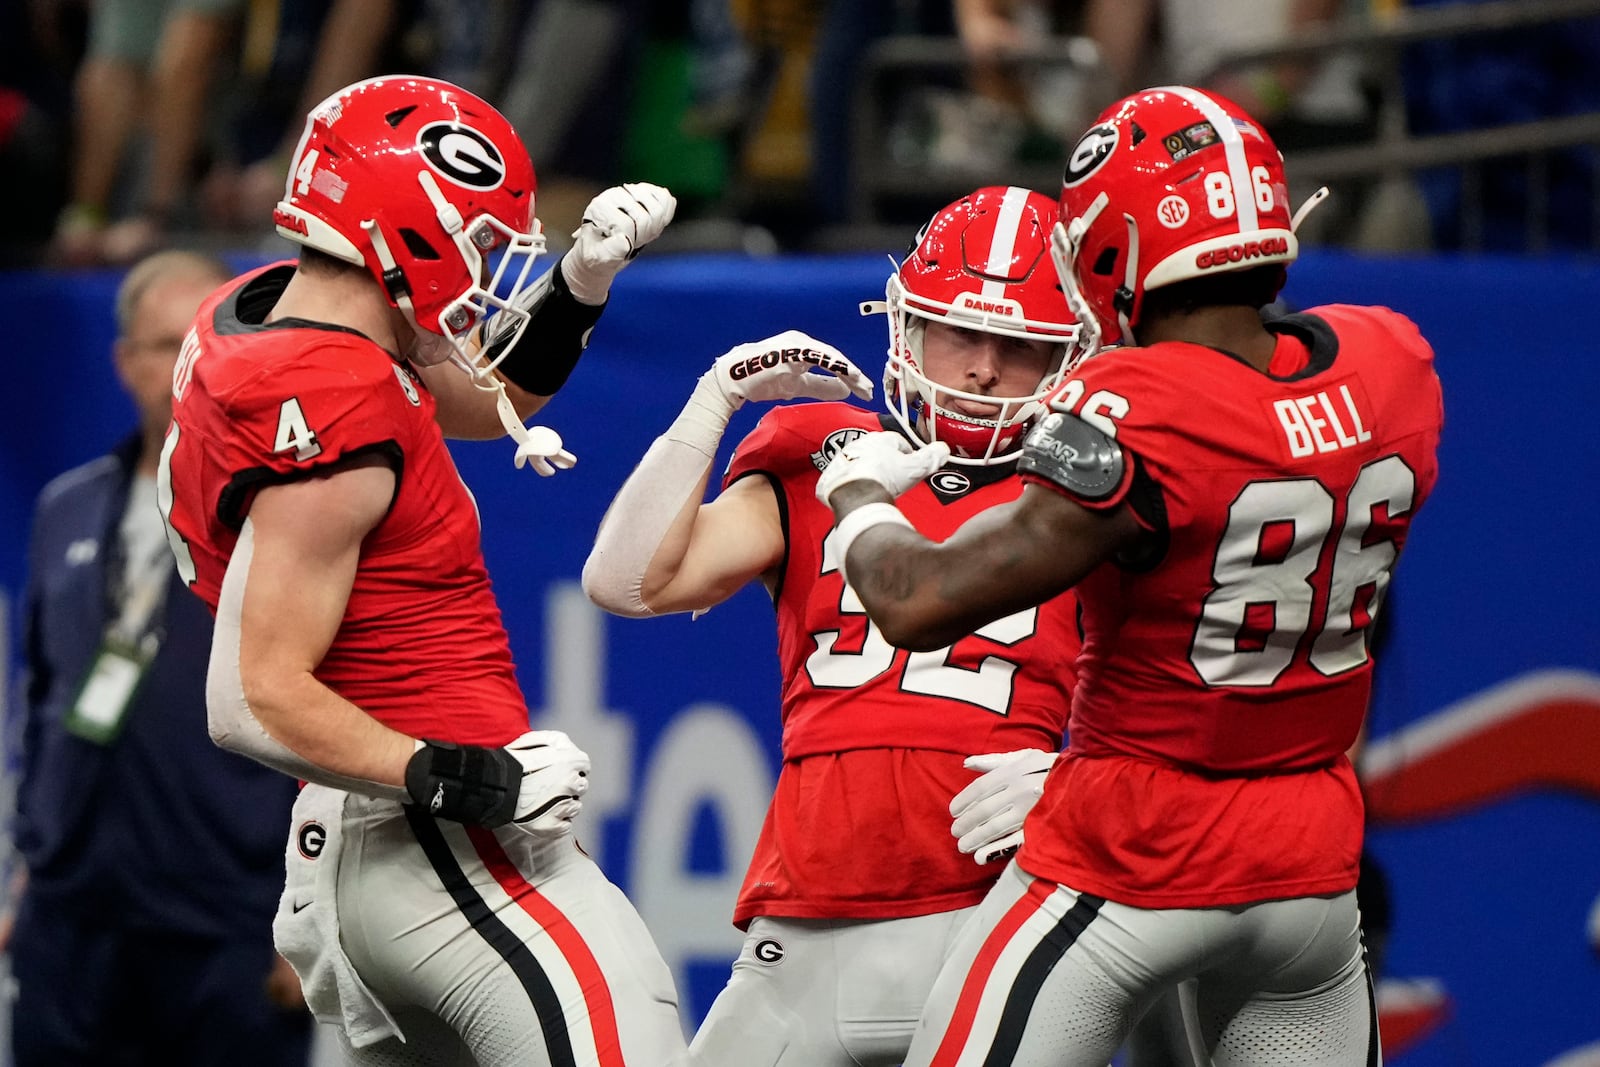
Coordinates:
(1229, 499)
(437, 907)
(857, 887)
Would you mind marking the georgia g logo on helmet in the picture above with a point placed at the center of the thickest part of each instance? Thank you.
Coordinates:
(462, 155)
(1093, 149)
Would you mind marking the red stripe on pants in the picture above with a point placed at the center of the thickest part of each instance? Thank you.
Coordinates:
(960, 1026)
(570, 943)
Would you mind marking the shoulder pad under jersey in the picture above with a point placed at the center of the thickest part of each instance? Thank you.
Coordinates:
(1084, 461)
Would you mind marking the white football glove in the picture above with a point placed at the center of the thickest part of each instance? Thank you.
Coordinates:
(616, 224)
(555, 775)
(781, 367)
(884, 458)
(989, 813)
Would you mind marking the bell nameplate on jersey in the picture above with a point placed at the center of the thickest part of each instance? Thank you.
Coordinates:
(103, 699)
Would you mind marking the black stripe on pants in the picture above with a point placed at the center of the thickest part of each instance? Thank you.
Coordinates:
(499, 936)
(1031, 977)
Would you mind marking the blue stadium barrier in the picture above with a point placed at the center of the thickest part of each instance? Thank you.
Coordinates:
(1485, 730)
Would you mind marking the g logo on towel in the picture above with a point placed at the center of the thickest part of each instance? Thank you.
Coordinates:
(310, 839)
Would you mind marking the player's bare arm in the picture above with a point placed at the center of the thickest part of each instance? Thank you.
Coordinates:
(730, 542)
(927, 595)
(306, 542)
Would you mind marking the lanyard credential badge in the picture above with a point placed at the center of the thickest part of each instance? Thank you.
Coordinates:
(136, 582)
(108, 688)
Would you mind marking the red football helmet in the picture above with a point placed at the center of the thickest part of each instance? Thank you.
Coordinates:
(979, 264)
(421, 181)
(1169, 184)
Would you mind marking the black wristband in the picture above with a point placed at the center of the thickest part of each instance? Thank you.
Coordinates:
(558, 331)
(464, 783)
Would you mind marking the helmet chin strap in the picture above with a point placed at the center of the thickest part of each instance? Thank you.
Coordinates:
(1065, 242)
(451, 222)
(394, 280)
(1130, 278)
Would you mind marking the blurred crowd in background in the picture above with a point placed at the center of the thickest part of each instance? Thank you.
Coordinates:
(809, 125)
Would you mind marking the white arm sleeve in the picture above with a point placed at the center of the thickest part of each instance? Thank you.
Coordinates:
(229, 719)
(672, 470)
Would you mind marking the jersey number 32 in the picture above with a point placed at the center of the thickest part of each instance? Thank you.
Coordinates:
(988, 686)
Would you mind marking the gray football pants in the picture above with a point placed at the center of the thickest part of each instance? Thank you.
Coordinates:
(497, 948)
(826, 993)
(1044, 976)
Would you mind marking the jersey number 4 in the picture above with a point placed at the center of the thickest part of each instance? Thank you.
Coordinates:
(925, 673)
(293, 433)
(1270, 573)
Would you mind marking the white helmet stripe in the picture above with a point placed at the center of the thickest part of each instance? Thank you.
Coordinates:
(1244, 194)
(1004, 243)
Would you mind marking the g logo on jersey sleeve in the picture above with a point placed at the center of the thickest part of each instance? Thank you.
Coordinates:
(462, 155)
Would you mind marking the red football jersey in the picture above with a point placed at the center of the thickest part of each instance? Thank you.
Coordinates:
(874, 736)
(422, 647)
(1221, 683)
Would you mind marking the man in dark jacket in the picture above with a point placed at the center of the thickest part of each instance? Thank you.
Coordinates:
(153, 858)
